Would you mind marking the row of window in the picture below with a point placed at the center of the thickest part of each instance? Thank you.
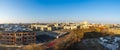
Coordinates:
(29, 38)
(19, 34)
(9, 38)
(7, 41)
(25, 34)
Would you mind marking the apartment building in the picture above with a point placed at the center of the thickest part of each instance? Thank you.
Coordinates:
(41, 27)
(18, 37)
(71, 27)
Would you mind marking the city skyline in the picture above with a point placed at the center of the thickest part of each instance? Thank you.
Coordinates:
(49, 11)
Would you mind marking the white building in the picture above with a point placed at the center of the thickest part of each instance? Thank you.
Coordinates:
(71, 27)
(84, 25)
(41, 27)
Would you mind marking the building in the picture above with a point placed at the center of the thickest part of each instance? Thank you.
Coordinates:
(42, 27)
(17, 38)
(71, 27)
(58, 26)
(17, 35)
(84, 25)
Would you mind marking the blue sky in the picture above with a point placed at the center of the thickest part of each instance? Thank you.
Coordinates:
(28, 11)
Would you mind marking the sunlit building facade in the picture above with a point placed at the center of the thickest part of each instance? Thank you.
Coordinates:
(18, 38)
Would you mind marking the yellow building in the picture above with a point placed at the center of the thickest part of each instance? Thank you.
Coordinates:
(40, 27)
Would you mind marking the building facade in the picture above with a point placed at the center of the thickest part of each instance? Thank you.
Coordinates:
(18, 38)
(43, 27)
(71, 27)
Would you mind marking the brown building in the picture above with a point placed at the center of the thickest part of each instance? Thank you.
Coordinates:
(18, 38)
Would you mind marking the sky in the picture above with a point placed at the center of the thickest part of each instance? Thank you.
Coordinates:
(50, 11)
